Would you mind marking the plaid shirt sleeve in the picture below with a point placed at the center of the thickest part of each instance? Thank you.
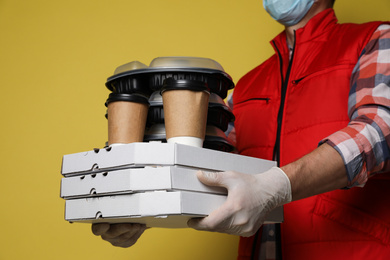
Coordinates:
(364, 143)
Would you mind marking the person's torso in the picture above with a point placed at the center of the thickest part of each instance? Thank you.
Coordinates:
(294, 114)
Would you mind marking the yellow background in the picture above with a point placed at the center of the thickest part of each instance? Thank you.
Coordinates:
(55, 57)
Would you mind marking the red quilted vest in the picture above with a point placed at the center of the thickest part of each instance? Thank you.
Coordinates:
(343, 224)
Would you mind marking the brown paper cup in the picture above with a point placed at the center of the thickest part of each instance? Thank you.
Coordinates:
(126, 122)
(185, 113)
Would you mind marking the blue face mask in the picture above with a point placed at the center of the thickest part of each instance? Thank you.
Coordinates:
(287, 12)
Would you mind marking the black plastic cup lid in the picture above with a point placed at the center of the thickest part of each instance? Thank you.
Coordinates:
(113, 97)
(184, 84)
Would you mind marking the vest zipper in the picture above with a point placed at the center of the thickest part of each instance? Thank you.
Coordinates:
(276, 152)
(285, 80)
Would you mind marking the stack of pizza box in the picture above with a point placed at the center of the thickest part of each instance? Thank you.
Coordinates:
(153, 183)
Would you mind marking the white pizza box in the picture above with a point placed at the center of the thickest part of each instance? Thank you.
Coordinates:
(159, 154)
(134, 180)
(155, 209)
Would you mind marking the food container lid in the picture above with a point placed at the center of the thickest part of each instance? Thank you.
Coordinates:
(161, 68)
(171, 64)
(125, 82)
(185, 62)
(133, 65)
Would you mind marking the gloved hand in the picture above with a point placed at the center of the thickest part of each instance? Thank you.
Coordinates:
(250, 198)
(121, 235)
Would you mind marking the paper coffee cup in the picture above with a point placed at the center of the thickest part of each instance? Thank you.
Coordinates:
(126, 121)
(185, 113)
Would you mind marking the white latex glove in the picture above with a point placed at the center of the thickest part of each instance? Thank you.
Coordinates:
(250, 198)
